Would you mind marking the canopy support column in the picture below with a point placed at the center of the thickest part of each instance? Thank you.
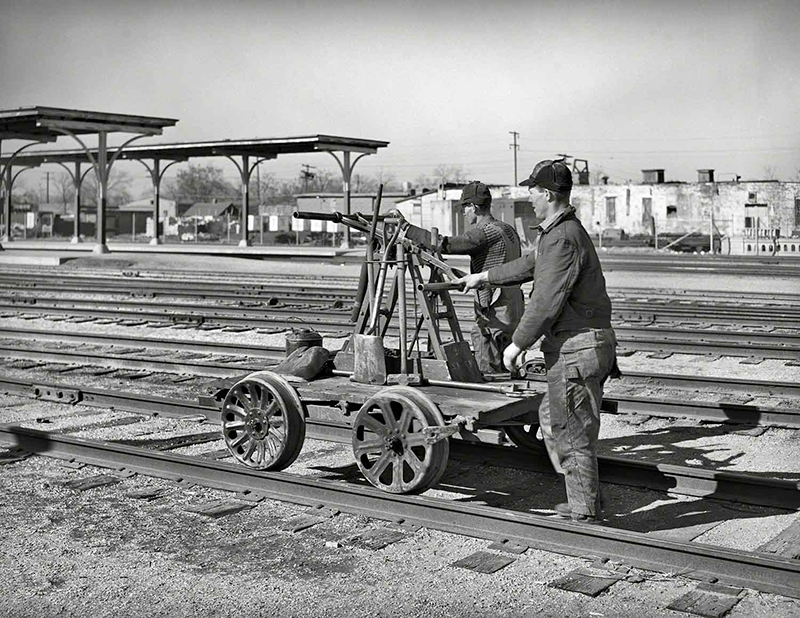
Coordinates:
(347, 173)
(156, 176)
(7, 204)
(77, 182)
(245, 241)
(102, 170)
(8, 182)
(245, 172)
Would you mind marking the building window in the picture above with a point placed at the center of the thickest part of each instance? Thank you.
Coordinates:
(763, 249)
(749, 247)
(611, 210)
(672, 212)
(794, 247)
(797, 212)
(752, 197)
(647, 210)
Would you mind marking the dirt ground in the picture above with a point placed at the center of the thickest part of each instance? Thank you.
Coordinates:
(102, 552)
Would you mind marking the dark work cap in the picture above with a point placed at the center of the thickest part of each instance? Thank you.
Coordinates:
(475, 193)
(553, 175)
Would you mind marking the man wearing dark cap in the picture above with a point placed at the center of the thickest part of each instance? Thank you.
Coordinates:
(489, 243)
(570, 308)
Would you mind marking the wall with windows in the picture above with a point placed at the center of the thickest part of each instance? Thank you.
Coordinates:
(680, 207)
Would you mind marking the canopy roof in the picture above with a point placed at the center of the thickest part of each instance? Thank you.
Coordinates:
(43, 123)
(266, 148)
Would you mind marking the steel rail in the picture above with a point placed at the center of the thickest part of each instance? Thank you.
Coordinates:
(247, 285)
(699, 482)
(721, 485)
(625, 301)
(746, 344)
(700, 410)
(650, 310)
(765, 387)
(747, 569)
(207, 347)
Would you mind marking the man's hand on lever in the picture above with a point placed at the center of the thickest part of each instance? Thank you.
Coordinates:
(474, 281)
(395, 214)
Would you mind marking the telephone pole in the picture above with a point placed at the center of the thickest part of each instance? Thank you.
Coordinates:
(515, 148)
(306, 175)
(48, 187)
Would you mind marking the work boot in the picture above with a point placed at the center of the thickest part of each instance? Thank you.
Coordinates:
(563, 510)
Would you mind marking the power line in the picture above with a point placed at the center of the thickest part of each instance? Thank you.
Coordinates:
(306, 174)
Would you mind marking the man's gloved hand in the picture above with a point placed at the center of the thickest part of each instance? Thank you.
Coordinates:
(512, 358)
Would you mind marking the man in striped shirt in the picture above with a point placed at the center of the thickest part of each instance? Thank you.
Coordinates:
(489, 243)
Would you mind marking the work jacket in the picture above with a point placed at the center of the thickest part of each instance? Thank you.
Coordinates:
(488, 243)
(569, 290)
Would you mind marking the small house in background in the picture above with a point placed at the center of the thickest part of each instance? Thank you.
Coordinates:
(439, 208)
(212, 210)
(359, 202)
(136, 218)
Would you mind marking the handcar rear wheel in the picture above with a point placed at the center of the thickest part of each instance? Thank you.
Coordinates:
(263, 422)
(389, 445)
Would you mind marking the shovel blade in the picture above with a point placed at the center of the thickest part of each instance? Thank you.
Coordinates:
(369, 359)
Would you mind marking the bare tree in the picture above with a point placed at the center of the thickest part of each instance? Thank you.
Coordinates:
(370, 184)
(770, 173)
(199, 183)
(261, 187)
(450, 173)
(65, 188)
(118, 189)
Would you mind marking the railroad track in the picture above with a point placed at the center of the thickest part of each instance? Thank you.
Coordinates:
(763, 572)
(658, 338)
(684, 480)
(277, 353)
(767, 310)
(235, 360)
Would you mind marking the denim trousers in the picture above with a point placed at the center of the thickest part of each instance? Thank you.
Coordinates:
(578, 363)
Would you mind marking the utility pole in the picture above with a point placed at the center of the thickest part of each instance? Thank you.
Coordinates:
(306, 174)
(48, 187)
(515, 148)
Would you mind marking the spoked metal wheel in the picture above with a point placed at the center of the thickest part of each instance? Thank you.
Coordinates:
(389, 445)
(524, 436)
(263, 421)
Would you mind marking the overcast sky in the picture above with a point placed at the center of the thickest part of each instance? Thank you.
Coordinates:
(627, 85)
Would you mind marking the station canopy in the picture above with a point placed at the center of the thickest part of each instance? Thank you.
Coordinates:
(260, 148)
(45, 124)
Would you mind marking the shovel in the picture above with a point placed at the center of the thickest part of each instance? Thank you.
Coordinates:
(369, 357)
